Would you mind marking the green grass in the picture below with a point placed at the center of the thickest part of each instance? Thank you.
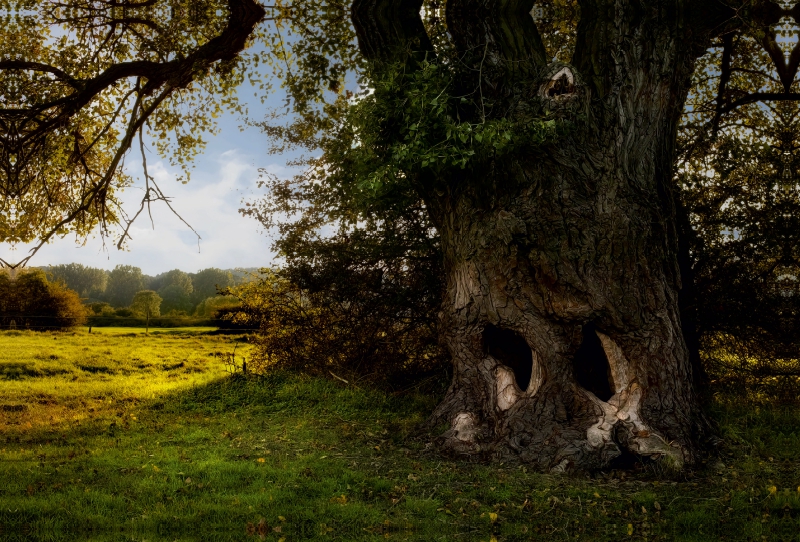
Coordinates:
(188, 453)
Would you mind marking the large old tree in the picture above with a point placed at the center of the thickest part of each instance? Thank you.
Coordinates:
(562, 255)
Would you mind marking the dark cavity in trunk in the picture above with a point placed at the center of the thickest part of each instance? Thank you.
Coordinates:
(591, 367)
(512, 351)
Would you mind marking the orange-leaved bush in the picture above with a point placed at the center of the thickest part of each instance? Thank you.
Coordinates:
(29, 301)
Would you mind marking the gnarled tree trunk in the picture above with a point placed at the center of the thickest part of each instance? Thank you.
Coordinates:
(561, 310)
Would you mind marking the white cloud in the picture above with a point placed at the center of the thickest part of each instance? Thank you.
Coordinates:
(209, 203)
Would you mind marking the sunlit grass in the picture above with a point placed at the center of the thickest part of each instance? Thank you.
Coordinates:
(188, 452)
(50, 379)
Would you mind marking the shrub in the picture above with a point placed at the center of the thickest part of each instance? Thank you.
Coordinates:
(101, 308)
(210, 307)
(360, 333)
(30, 301)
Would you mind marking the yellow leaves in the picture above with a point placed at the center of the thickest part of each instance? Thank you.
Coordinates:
(772, 490)
(630, 529)
(342, 499)
(261, 460)
(71, 168)
(156, 469)
(493, 517)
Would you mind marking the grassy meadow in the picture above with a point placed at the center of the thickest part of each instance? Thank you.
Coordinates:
(116, 435)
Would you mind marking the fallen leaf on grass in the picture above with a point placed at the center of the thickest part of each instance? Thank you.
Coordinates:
(261, 529)
(493, 517)
(261, 460)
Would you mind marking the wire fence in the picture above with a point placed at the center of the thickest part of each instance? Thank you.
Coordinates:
(20, 322)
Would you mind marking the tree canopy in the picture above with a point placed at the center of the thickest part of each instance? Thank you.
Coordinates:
(82, 80)
(88, 282)
(123, 283)
(146, 303)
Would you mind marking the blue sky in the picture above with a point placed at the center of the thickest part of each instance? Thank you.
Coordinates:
(223, 176)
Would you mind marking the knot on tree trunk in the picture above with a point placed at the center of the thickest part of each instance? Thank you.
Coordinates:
(561, 90)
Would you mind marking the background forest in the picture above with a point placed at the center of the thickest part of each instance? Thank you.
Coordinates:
(69, 295)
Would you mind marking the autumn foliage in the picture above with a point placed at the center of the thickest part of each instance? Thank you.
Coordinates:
(30, 301)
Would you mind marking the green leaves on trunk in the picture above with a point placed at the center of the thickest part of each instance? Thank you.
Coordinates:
(413, 125)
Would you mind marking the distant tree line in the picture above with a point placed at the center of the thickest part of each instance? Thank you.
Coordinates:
(68, 295)
(182, 293)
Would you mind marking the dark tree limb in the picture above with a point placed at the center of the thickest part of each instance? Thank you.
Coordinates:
(724, 79)
(503, 33)
(388, 30)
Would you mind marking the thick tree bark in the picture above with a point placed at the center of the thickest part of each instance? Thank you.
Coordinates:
(562, 303)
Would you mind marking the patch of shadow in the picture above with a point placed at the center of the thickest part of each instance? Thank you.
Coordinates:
(95, 369)
(19, 371)
(173, 366)
(49, 371)
(13, 408)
